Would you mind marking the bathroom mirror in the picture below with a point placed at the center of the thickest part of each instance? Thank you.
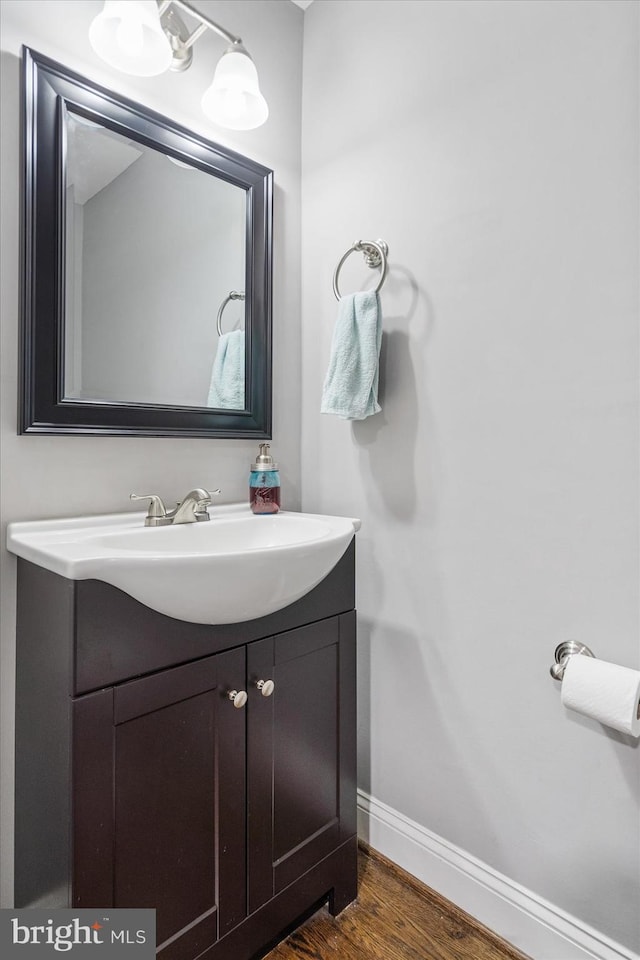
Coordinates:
(146, 270)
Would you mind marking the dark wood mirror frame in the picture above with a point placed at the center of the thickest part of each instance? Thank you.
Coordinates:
(48, 91)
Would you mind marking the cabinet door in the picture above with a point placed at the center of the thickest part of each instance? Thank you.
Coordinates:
(300, 752)
(159, 797)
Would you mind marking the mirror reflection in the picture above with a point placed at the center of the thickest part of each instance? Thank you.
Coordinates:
(155, 276)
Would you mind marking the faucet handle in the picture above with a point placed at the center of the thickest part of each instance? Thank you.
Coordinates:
(202, 496)
(156, 507)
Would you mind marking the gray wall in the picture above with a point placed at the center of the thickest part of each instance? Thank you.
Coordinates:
(494, 146)
(62, 476)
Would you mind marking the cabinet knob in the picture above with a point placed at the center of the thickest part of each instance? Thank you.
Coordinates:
(238, 698)
(266, 687)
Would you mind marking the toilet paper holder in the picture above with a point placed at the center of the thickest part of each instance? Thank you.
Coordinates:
(564, 650)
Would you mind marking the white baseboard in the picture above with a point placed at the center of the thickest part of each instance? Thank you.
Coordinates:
(533, 925)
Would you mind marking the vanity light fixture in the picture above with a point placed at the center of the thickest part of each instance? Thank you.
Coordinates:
(144, 38)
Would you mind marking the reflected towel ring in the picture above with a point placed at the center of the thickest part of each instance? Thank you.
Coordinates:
(375, 255)
(234, 295)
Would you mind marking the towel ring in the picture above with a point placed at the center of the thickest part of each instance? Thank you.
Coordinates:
(234, 295)
(375, 255)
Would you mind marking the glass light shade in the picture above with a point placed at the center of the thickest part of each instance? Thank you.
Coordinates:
(128, 36)
(234, 100)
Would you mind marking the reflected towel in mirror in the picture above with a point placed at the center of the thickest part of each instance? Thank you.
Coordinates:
(226, 390)
(351, 385)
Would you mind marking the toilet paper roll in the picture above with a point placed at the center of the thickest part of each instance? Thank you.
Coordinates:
(604, 691)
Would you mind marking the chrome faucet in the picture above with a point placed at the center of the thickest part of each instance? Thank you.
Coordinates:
(190, 510)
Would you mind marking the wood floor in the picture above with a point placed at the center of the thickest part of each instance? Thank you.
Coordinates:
(395, 918)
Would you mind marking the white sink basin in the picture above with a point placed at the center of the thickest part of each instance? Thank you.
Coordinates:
(235, 567)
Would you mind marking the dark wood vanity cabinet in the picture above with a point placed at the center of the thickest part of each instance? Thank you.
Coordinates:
(300, 753)
(159, 788)
(231, 822)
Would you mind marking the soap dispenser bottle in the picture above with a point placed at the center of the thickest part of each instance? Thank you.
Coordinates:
(264, 483)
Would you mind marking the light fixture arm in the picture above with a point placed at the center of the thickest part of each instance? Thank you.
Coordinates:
(205, 22)
(191, 39)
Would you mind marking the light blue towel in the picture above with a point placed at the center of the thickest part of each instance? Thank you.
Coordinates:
(351, 385)
(227, 375)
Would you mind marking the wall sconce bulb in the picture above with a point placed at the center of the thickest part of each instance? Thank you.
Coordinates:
(127, 35)
(144, 38)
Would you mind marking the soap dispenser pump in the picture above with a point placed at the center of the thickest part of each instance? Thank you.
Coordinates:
(264, 483)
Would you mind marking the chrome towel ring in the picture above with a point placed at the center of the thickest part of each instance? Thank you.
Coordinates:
(375, 255)
(234, 295)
